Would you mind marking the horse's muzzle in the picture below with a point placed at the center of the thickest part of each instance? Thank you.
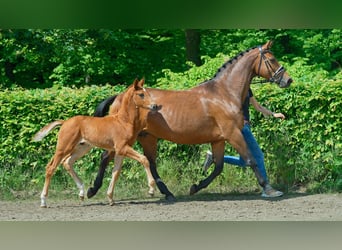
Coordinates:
(154, 107)
(285, 82)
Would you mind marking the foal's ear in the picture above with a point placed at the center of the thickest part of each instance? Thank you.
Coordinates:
(268, 45)
(141, 83)
(135, 82)
(138, 84)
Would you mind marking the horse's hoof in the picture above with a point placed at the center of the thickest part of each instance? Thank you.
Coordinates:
(193, 189)
(43, 206)
(81, 198)
(170, 198)
(111, 203)
(90, 193)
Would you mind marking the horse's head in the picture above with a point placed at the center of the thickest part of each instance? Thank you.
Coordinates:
(141, 97)
(269, 68)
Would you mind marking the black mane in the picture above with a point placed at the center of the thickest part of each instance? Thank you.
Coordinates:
(230, 61)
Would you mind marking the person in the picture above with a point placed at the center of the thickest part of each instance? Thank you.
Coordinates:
(268, 190)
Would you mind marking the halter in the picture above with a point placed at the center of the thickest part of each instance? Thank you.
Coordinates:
(277, 75)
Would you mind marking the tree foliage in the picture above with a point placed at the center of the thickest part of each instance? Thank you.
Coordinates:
(34, 58)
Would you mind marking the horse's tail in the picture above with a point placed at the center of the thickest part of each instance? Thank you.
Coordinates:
(103, 108)
(45, 130)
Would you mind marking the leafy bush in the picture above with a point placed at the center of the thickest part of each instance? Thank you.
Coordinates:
(306, 148)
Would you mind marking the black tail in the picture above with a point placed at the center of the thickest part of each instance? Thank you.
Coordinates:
(100, 111)
(103, 108)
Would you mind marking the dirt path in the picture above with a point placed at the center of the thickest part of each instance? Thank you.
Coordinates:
(208, 207)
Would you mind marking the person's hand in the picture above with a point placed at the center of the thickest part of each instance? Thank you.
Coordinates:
(279, 115)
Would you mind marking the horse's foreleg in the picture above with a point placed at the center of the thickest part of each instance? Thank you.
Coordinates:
(149, 144)
(115, 175)
(106, 157)
(239, 143)
(131, 153)
(218, 153)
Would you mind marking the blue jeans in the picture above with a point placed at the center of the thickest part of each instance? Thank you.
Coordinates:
(255, 150)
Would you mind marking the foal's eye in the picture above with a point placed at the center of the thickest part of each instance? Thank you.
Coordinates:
(142, 95)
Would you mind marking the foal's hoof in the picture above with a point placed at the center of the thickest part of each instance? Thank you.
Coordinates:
(81, 198)
(43, 206)
(193, 189)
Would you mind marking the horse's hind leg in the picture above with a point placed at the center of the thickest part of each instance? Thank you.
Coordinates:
(218, 153)
(115, 175)
(50, 169)
(106, 157)
(79, 151)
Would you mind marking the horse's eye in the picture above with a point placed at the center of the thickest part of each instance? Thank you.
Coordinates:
(142, 95)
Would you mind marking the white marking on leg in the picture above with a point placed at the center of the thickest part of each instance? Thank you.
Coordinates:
(115, 175)
(43, 200)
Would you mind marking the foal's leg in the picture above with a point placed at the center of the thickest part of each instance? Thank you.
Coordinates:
(218, 153)
(79, 151)
(115, 175)
(131, 153)
(50, 169)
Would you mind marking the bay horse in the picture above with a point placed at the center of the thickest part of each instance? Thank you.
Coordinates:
(208, 113)
(114, 133)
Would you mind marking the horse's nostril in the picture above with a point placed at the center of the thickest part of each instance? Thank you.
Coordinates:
(289, 81)
(154, 106)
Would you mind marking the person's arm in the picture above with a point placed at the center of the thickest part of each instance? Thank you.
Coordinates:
(264, 110)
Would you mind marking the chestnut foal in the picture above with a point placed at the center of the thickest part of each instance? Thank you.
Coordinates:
(114, 133)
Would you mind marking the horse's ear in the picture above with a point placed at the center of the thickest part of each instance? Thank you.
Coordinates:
(140, 84)
(136, 83)
(268, 45)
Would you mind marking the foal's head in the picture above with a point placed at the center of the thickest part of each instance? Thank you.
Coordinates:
(141, 98)
(269, 68)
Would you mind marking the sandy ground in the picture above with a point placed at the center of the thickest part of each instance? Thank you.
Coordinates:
(200, 207)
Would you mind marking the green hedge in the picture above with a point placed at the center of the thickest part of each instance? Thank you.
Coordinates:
(306, 148)
(303, 150)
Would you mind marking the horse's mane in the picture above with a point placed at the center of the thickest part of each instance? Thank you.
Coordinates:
(230, 61)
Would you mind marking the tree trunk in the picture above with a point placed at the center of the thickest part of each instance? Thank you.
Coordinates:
(193, 40)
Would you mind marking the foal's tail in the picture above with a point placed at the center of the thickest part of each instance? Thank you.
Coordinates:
(45, 130)
(102, 109)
